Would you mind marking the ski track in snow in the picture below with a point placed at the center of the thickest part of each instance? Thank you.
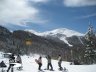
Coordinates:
(29, 65)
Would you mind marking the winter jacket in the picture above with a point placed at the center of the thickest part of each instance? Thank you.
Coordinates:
(18, 59)
(60, 59)
(40, 60)
(2, 64)
(48, 59)
(11, 59)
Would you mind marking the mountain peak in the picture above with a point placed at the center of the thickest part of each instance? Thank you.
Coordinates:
(60, 33)
(64, 31)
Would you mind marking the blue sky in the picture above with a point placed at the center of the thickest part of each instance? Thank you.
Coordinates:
(44, 15)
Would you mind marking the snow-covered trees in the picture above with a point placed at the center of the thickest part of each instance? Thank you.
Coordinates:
(90, 51)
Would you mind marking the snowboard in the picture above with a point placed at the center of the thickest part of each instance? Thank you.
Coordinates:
(16, 64)
(20, 68)
(41, 71)
(49, 69)
(60, 69)
(65, 70)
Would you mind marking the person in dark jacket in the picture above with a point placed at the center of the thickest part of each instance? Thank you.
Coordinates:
(2, 65)
(49, 62)
(59, 62)
(11, 60)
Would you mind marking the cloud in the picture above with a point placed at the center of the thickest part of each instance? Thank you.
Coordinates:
(79, 3)
(39, 1)
(86, 16)
(18, 12)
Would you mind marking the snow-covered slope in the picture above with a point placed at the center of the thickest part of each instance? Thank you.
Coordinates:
(29, 65)
(64, 31)
(60, 33)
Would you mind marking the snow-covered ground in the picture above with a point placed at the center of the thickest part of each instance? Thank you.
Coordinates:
(29, 65)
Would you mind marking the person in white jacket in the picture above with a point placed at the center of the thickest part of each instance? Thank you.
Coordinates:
(39, 61)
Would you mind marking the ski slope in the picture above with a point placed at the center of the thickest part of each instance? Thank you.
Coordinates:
(29, 65)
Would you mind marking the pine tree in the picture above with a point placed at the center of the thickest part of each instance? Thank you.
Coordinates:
(90, 53)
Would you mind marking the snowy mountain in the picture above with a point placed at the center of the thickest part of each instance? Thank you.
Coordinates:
(54, 42)
(61, 33)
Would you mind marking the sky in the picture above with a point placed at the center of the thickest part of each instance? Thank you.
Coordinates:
(45, 15)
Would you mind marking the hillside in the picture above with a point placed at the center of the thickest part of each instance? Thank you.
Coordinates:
(52, 42)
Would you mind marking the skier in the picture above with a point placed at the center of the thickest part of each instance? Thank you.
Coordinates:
(11, 60)
(49, 63)
(59, 62)
(39, 62)
(19, 60)
(2, 65)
